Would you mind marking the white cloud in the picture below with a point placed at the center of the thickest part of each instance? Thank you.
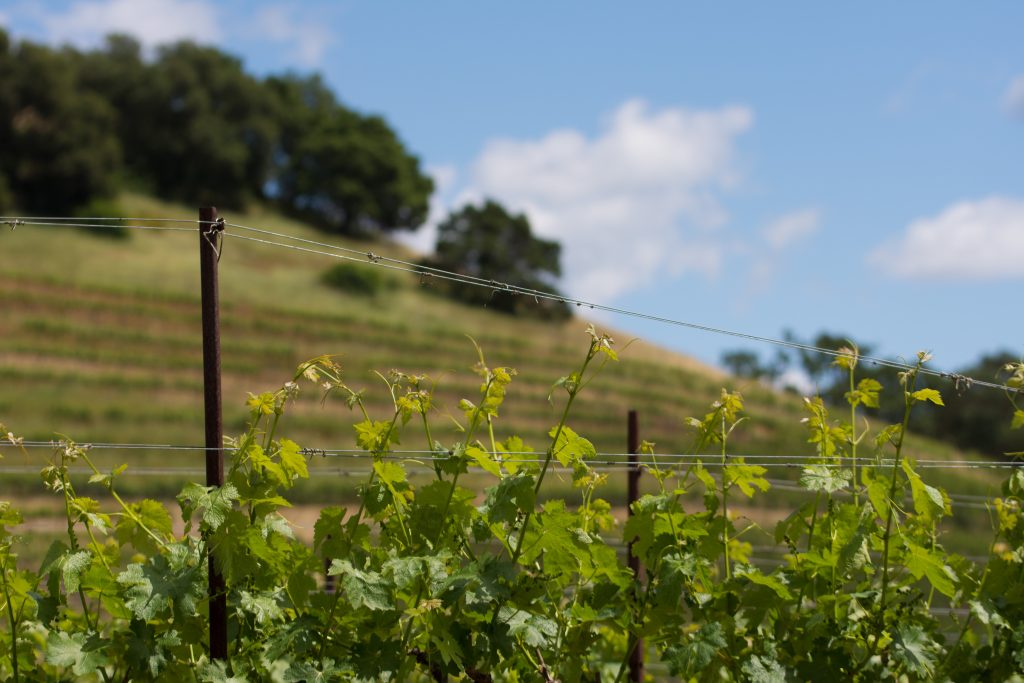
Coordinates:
(308, 39)
(152, 22)
(1013, 98)
(979, 240)
(638, 200)
(791, 228)
(798, 379)
(785, 231)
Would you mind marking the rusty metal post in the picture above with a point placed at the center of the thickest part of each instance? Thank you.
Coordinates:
(210, 232)
(636, 657)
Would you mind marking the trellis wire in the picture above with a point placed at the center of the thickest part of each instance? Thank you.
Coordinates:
(418, 269)
(73, 220)
(53, 223)
(429, 271)
(666, 460)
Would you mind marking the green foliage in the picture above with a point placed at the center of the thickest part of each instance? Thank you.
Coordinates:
(60, 141)
(744, 364)
(345, 171)
(431, 582)
(489, 243)
(969, 418)
(191, 124)
(356, 279)
(104, 206)
(972, 418)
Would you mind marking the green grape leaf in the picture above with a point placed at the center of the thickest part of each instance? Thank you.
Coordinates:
(570, 447)
(761, 669)
(82, 653)
(929, 502)
(265, 465)
(72, 568)
(914, 649)
(263, 608)
(825, 478)
(447, 646)
(88, 509)
(746, 477)
(375, 436)
(513, 450)
(327, 531)
(262, 404)
(794, 525)
(775, 582)
(292, 460)
(690, 658)
(536, 631)
(484, 460)
(217, 672)
(146, 514)
(512, 495)
(403, 571)
(174, 580)
(877, 485)
(308, 673)
(390, 473)
(710, 485)
(8, 515)
(865, 394)
(212, 502)
(986, 613)
(273, 524)
(922, 562)
(928, 395)
(362, 589)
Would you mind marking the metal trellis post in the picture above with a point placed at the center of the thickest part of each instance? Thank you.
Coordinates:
(636, 657)
(210, 232)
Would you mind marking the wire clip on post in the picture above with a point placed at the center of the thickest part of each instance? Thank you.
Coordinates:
(213, 230)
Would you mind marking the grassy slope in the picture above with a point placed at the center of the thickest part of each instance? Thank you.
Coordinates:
(100, 340)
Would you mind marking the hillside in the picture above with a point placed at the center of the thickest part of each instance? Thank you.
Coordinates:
(101, 342)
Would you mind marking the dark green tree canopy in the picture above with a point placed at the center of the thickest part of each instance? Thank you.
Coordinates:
(488, 242)
(195, 127)
(971, 418)
(59, 142)
(192, 125)
(975, 418)
(346, 171)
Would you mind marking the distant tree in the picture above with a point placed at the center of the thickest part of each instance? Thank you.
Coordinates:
(490, 243)
(195, 126)
(7, 105)
(974, 417)
(748, 364)
(344, 171)
(192, 125)
(60, 147)
(745, 364)
(6, 197)
(821, 368)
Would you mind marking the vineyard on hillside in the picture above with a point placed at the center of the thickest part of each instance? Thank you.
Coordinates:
(432, 582)
(386, 515)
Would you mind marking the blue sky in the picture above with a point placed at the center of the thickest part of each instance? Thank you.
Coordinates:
(747, 166)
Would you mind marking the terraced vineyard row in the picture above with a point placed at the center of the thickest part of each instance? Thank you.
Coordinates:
(100, 361)
(83, 354)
